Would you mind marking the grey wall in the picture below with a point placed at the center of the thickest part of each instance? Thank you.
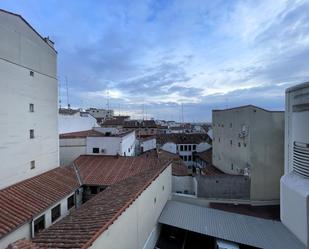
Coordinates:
(223, 187)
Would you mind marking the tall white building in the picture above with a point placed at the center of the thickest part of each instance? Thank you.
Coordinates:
(28, 99)
(249, 140)
(295, 182)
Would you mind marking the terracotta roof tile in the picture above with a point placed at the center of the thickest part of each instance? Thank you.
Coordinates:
(83, 226)
(82, 134)
(21, 201)
(22, 244)
(107, 170)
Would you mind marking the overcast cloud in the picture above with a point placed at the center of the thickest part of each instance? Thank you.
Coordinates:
(155, 55)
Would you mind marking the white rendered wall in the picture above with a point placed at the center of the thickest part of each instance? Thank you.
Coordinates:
(149, 144)
(170, 147)
(136, 224)
(70, 149)
(19, 233)
(22, 51)
(72, 123)
(112, 145)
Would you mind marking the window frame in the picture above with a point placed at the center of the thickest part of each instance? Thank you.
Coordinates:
(69, 204)
(55, 213)
(94, 149)
(36, 222)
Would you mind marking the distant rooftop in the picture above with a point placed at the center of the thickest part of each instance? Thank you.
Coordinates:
(243, 107)
(183, 138)
(91, 133)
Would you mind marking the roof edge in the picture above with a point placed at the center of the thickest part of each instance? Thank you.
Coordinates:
(243, 106)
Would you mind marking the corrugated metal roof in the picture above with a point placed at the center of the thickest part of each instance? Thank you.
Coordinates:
(238, 228)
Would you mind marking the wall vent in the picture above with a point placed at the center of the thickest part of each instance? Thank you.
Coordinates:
(301, 159)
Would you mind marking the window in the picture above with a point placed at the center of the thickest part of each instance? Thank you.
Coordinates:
(55, 213)
(219, 140)
(245, 145)
(194, 147)
(93, 190)
(31, 107)
(189, 147)
(189, 158)
(231, 142)
(231, 125)
(39, 224)
(71, 202)
(163, 187)
(239, 144)
(185, 158)
(232, 166)
(181, 147)
(31, 73)
(31, 133)
(129, 149)
(186, 148)
(95, 150)
(32, 164)
(181, 157)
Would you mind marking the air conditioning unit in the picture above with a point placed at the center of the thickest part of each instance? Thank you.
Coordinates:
(294, 200)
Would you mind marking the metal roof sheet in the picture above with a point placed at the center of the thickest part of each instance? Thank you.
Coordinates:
(248, 230)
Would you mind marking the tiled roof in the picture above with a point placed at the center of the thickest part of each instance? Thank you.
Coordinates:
(183, 138)
(66, 111)
(107, 170)
(206, 155)
(211, 170)
(23, 244)
(140, 124)
(178, 166)
(86, 224)
(82, 134)
(21, 201)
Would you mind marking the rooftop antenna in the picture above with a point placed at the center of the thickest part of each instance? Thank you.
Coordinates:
(182, 119)
(67, 87)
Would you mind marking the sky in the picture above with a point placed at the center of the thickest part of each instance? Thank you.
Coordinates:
(153, 58)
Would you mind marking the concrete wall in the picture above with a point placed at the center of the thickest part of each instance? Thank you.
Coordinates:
(136, 224)
(76, 122)
(249, 141)
(184, 184)
(22, 51)
(223, 187)
(71, 149)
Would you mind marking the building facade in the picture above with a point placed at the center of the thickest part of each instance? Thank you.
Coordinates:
(101, 114)
(29, 96)
(295, 182)
(249, 141)
(75, 120)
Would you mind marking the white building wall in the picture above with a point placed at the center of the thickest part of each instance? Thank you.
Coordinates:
(294, 201)
(76, 122)
(139, 221)
(19, 233)
(112, 145)
(183, 184)
(169, 147)
(71, 149)
(22, 51)
(149, 144)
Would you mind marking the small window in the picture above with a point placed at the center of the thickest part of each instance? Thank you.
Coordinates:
(239, 144)
(31, 107)
(93, 190)
(186, 148)
(189, 147)
(185, 158)
(245, 145)
(163, 187)
(31, 73)
(231, 142)
(155, 200)
(71, 202)
(189, 158)
(129, 149)
(232, 166)
(95, 150)
(219, 140)
(31, 133)
(231, 125)
(39, 224)
(194, 147)
(181, 147)
(55, 213)
(32, 164)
